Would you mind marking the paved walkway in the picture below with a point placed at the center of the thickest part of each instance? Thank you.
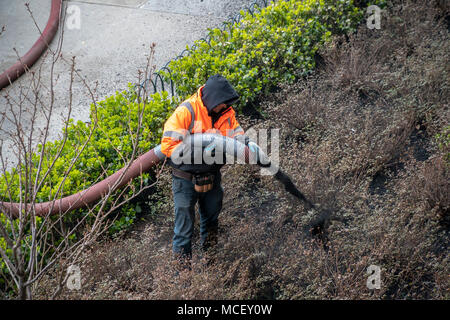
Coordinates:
(110, 43)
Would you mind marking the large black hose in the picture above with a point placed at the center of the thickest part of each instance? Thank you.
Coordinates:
(198, 142)
(191, 143)
(292, 189)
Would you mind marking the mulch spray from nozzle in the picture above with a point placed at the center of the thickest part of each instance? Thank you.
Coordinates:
(315, 227)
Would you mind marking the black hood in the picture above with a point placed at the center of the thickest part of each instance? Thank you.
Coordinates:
(218, 90)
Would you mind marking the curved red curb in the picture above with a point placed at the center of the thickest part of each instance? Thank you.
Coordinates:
(15, 71)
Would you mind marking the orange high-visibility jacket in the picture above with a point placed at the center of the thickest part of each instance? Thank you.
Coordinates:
(192, 117)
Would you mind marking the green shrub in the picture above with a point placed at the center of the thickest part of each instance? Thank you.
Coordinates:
(109, 147)
(276, 44)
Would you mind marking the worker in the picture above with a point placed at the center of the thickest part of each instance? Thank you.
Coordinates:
(208, 110)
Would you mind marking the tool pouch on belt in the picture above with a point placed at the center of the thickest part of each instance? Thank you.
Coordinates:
(203, 182)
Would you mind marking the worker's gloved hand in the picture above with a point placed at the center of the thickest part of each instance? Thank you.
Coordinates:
(253, 147)
(256, 150)
(242, 138)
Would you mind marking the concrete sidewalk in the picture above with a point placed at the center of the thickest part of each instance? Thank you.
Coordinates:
(110, 43)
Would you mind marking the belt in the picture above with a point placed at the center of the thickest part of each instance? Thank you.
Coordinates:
(189, 176)
(182, 174)
(203, 182)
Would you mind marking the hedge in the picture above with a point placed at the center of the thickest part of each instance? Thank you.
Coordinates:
(277, 44)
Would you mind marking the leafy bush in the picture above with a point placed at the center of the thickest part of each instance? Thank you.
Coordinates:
(276, 44)
(109, 149)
